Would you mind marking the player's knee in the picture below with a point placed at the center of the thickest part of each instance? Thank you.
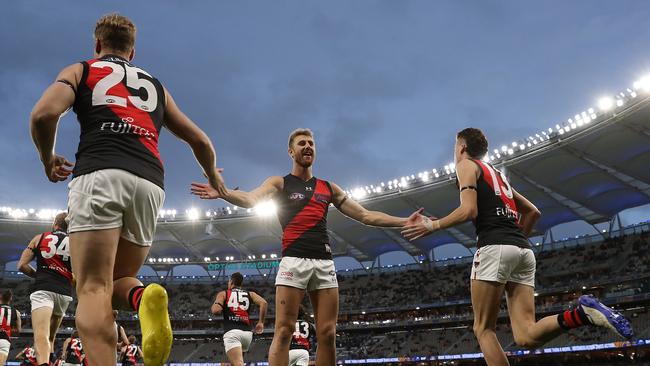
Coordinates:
(481, 330)
(94, 288)
(523, 340)
(284, 332)
(326, 335)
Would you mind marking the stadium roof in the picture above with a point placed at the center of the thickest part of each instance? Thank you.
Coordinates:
(590, 168)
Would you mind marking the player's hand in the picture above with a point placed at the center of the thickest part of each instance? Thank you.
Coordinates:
(425, 227)
(259, 328)
(57, 168)
(216, 181)
(204, 191)
(416, 217)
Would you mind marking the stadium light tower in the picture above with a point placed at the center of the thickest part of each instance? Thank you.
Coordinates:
(605, 103)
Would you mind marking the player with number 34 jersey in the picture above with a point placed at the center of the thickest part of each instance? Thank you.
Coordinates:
(52, 289)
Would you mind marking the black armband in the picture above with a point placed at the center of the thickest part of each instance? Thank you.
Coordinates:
(469, 187)
(341, 203)
(66, 82)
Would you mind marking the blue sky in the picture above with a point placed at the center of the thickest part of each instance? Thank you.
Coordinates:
(384, 84)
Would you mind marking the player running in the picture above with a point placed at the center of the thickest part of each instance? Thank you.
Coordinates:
(130, 352)
(301, 342)
(73, 353)
(303, 201)
(117, 188)
(504, 260)
(52, 288)
(234, 304)
(10, 323)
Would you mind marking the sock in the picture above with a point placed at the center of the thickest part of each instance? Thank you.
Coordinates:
(571, 319)
(135, 295)
(44, 364)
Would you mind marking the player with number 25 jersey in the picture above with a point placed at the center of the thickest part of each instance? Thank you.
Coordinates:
(117, 189)
(234, 303)
(52, 289)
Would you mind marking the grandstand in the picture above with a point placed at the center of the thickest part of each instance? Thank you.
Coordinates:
(587, 169)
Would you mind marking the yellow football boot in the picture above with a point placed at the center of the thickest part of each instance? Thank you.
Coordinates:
(155, 326)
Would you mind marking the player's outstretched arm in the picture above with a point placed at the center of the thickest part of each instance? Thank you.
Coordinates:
(259, 300)
(354, 210)
(529, 213)
(43, 121)
(467, 173)
(24, 265)
(244, 199)
(217, 306)
(183, 128)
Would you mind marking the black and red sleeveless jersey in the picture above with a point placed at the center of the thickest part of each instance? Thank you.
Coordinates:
(75, 352)
(29, 354)
(8, 318)
(130, 355)
(235, 310)
(121, 109)
(303, 335)
(497, 222)
(53, 272)
(302, 211)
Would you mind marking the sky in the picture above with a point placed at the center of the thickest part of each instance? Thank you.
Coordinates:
(385, 85)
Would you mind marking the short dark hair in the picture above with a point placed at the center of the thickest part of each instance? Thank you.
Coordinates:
(477, 144)
(131, 339)
(7, 295)
(60, 221)
(237, 279)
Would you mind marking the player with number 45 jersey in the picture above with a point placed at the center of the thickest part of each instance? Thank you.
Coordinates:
(234, 303)
(52, 289)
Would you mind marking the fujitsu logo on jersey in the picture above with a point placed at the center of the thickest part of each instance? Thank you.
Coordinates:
(508, 212)
(126, 127)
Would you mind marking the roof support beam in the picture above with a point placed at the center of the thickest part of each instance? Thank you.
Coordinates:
(411, 249)
(348, 248)
(577, 208)
(632, 182)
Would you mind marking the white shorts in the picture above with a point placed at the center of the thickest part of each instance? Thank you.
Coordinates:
(306, 274)
(237, 338)
(4, 347)
(57, 302)
(504, 263)
(71, 364)
(298, 357)
(112, 198)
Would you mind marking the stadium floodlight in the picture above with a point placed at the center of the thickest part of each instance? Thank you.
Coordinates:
(192, 213)
(496, 151)
(265, 209)
(619, 102)
(561, 131)
(514, 144)
(643, 83)
(522, 147)
(263, 256)
(216, 258)
(208, 213)
(590, 110)
(486, 159)
(510, 151)
(187, 259)
(580, 123)
(504, 148)
(605, 103)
